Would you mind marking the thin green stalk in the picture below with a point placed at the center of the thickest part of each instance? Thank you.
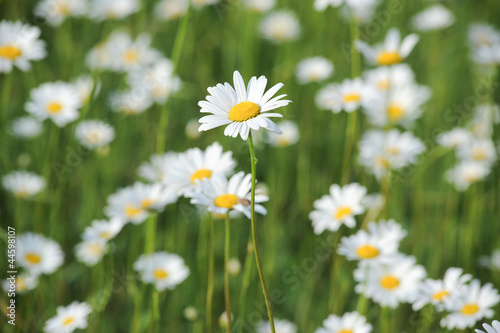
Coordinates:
(253, 162)
(335, 262)
(210, 278)
(247, 272)
(149, 245)
(4, 98)
(226, 274)
(155, 327)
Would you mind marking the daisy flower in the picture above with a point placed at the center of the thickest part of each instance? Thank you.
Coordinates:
(56, 11)
(479, 150)
(69, 318)
(494, 328)
(130, 102)
(192, 129)
(171, 9)
(389, 230)
(90, 252)
(454, 138)
(84, 86)
(260, 6)
(23, 282)
(57, 101)
(327, 97)
(349, 95)
(279, 27)
(339, 207)
(101, 10)
(163, 269)
(472, 304)
(128, 54)
(313, 69)
(483, 35)
(158, 166)
(366, 246)
(19, 44)
(467, 173)
(289, 137)
(360, 11)
(37, 254)
(492, 262)
(93, 134)
(281, 326)
(102, 230)
(220, 195)
(384, 78)
(392, 51)
(351, 322)
(26, 127)
(435, 17)
(23, 184)
(243, 108)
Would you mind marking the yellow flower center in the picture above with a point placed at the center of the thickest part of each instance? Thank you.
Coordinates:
(395, 113)
(131, 210)
(440, 295)
(21, 284)
(342, 212)
(130, 56)
(383, 84)
(200, 174)
(367, 252)
(389, 58)
(63, 9)
(21, 194)
(383, 162)
(96, 249)
(393, 150)
(351, 98)
(33, 258)
(389, 282)
(9, 52)
(146, 203)
(54, 107)
(105, 235)
(244, 111)
(469, 309)
(346, 331)
(94, 136)
(479, 154)
(160, 274)
(68, 321)
(226, 201)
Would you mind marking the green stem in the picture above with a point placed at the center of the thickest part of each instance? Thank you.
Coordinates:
(156, 312)
(253, 162)
(226, 274)
(149, 245)
(210, 278)
(246, 282)
(4, 98)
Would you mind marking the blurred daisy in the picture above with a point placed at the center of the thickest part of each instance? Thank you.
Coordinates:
(483, 35)
(479, 150)
(433, 18)
(19, 44)
(101, 10)
(220, 195)
(243, 108)
(487, 112)
(313, 70)
(93, 134)
(56, 11)
(128, 54)
(163, 269)
(84, 86)
(360, 11)
(90, 252)
(23, 282)
(158, 166)
(494, 328)
(389, 230)
(473, 303)
(351, 322)
(101, 56)
(487, 55)
(289, 137)
(385, 78)
(69, 318)
(349, 95)
(233, 266)
(281, 326)
(492, 262)
(280, 26)
(198, 4)
(436, 292)
(339, 207)
(37, 254)
(130, 102)
(392, 51)
(102, 230)
(57, 101)
(366, 246)
(327, 97)
(454, 138)
(23, 184)
(26, 127)
(171, 9)
(260, 6)
(467, 173)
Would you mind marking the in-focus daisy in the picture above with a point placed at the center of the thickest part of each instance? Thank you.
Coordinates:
(58, 101)
(84, 86)
(94, 133)
(289, 137)
(260, 6)
(156, 169)
(466, 173)
(366, 246)
(23, 282)
(19, 44)
(351, 322)
(171, 9)
(392, 51)
(243, 108)
(37, 254)
(101, 10)
(26, 127)
(433, 18)
(339, 207)
(90, 252)
(69, 318)
(163, 269)
(494, 328)
(130, 102)
(313, 70)
(454, 138)
(56, 11)
(281, 26)
(23, 184)
(473, 303)
(103, 230)
(220, 195)
(281, 326)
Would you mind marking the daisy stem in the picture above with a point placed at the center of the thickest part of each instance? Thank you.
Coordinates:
(246, 281)
(156, 312)
(253, 162)
(226, 274)
(4, 99)
(210, 278)
(149, 245)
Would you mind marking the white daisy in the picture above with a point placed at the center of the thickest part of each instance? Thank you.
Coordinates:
(69, 318)
(260, 6)
(243, 108)
(466, 173)
(158, 166)
(163, 269)
(454, 138)
(84, 86)
(494, 328)
(492, 262)
(56, 11)
(479, 150)
(433, 18)
(130, 102)
(37, 254)
(280, 26)
(171, 9)
(90, 252)
(128, 54)
(384, 78)
(289, 137)
(22, 283)
(57, 101)
(101, 10)
(350, 95)
(389, 230)
(233, 266)
(483, 35)
(351, 322)
(313, 70)
(327, 97)
(94, 133)
(101, 56)
(392, 51)
(360, 11)
(281, 326)
(26, 127)
(19, 44)
(365, 246)
(103, 230)
(339, 207)
(23, 184)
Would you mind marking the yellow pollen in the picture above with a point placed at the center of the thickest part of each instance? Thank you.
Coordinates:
(345, 331)
(200, 174)
(383, 84)
(367, 252)
(105, 235)
(351, 98)
(146, 203)
(393, 150)
(63, 9)
(21, 284)
(389, 58)
(469, 309)
(160, 274)
(33, 258)
(389, 282)
(21, 194)
(9, 52)
(395, 113)
(383, 162)
(68, 321)
(131, 210)
(478, 154)
(342, 212)
(226, 201)
(54, 107)
(471, 178)
(130, 56)
(244, 111)
(440, 295)
(95, 249)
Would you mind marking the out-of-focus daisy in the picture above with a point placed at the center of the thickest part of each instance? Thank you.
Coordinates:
(103, 230)
(101, 10)
(23, 282)
(158, 166)
(243, 108)
(84, 86)
(466, 173)
(454, 138)
(19, 44)
(348, 96)
(351, 322)
(192, 129)
(94, 133)
(392, 51)
(281, 326)
(39, 255)
(327, 97)
(191, 313)
(281, 26)
(390, 282)
(57, 101)
(492, 262)
(479, 150)
(483, 35)
(487, 112)
(339, 207)
(198, 4)
(366, 246)
(171, 9)
(289, 137)
(473, 303)
(23, 184)
(163, 269)
(260, 6)
(433, 18)
(223, 319)
(360, 11)
(220, 195)
(90, 252)
(69, 318)
(233, 266)
(494, 328)
(26, 127)
(436, 292)
(130, 102)
(385, 78)
(313, 70)
(389, 230)
(56, 11)
(128, 54)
